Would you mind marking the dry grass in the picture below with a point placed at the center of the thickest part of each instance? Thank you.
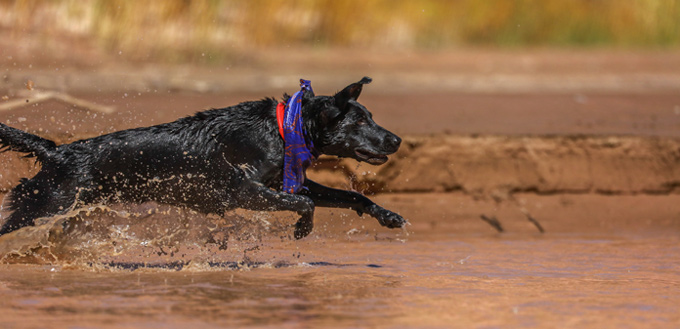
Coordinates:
(177, 30)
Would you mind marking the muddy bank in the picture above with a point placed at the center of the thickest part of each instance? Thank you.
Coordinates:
(498, 165)
(488, 165)
(538, 114)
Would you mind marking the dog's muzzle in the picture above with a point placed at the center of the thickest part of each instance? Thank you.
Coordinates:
(390, 145)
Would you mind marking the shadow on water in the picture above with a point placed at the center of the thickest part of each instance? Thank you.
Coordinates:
(229, 265)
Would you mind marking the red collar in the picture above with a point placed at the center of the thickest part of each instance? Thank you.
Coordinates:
(280, 110)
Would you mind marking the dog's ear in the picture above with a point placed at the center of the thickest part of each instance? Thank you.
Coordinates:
(330, 114)
(351, 92)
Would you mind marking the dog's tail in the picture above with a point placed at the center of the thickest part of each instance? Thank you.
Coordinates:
(12, 139)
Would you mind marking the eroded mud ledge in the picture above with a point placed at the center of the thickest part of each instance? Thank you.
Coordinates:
(487, 165)
(498, 165)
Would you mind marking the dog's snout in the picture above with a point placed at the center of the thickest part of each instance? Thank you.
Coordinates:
(392, 142)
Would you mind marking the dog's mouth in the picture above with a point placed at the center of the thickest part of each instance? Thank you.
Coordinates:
(370, 157)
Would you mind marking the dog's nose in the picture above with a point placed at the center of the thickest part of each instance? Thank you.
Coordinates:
(392, 142)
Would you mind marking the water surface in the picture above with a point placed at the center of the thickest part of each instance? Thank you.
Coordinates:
(348, 275)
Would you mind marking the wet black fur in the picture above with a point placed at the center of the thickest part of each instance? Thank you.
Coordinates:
(211, 162)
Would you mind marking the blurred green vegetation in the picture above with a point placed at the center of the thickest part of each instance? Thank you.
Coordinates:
(190, 29)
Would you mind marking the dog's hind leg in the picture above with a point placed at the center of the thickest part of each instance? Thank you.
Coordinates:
(254, 196)
(15, 221)
(31, 200)
(24, 215)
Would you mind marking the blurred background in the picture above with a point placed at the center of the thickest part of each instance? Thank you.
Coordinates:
(461, 45)
(347, 38)
(221, 31)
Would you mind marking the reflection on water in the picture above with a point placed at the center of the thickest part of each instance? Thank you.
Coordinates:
(112, 268)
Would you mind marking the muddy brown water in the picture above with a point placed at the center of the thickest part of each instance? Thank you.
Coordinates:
(158, 267)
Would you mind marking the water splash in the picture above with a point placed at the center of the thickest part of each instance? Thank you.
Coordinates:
(148, 235)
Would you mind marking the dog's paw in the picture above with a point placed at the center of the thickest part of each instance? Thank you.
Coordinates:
(385, 217)
(302, 228)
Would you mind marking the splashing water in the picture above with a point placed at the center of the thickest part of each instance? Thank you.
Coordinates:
(147, 235)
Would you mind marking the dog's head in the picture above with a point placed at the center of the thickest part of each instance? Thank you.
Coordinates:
(346, 128)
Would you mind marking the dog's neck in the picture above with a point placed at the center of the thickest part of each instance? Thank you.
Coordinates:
(310, 119)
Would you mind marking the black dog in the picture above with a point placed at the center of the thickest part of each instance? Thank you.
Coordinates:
(211, 162)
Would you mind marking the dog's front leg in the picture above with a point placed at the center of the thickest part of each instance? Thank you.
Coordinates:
(255, 196)
(324, 196)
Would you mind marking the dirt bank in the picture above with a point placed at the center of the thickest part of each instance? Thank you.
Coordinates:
(499, 165)
(488, 166)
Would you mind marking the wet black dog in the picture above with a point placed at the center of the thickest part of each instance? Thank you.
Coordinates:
(212, 161)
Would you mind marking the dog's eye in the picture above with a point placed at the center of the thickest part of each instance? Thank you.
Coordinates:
(362, 122)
